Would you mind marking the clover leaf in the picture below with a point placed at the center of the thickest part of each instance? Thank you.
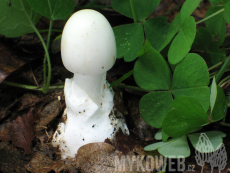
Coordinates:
(152, 73)
(142, 8)
(186, 115)
(129, 39)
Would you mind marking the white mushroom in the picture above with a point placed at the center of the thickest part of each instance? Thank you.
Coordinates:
(88, 49)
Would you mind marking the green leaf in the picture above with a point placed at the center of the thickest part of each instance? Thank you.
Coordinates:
(182, 43)
(202, 40)
(218, 111)
(129, 39)
(154, 146)
(216, 24)
(156, 30)
(195, 130)
(142, 8)
(226, 12)
(213, 94)
(16, 18)
(173, 29)
(187, 9)
(186, 115)
(201, 93)
(208, 141)
(158, 135)
(164, 136)
(143, 48)
(51, 9)
(216, 54)
(191, 78)
(151, 72)
(216, 1)
(154, 106)
(194, 68)
(175, 148)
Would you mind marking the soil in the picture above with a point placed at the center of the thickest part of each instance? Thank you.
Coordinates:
(28, 118)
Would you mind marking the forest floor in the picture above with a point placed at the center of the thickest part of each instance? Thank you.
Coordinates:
(29, 118)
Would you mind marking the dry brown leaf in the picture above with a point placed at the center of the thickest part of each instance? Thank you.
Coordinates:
(93, 157)
(4, 135)
(43, 164)
(102, 157)
(9, 62)
(96, 157)
(29, 100)
(48, 113)
(21, 131)
(4, 113)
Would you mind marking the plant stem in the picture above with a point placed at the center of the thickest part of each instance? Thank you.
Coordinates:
(212, 15)
(31, 87)
(223, 80)
(22, 85)
(46, 59)
(224, 124)
(214, 73)
(44, 46)
(45, 90)
(125, 76)
(133, 11)
(56, 86)
(214, 66)
(222, 70)
(223, 85)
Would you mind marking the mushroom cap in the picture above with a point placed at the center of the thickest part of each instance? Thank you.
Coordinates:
(88, 43)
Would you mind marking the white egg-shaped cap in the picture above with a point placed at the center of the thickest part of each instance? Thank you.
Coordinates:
(88, 43)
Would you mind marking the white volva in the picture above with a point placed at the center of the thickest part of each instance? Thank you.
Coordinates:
(88, 49)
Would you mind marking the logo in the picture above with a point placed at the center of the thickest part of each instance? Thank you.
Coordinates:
(206, 153)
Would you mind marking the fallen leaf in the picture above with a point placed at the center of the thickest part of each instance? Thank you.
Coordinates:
(29, 100)
(102, 157)
(4, 135)
(43, 164)
(9, 62)
(21, 131)
(4, 113)
(48, 113)
(96, 157)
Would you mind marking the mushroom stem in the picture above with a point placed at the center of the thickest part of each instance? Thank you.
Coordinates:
(92, 85)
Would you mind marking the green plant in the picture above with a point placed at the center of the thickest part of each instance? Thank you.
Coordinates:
(19, 17)
(179, 99)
